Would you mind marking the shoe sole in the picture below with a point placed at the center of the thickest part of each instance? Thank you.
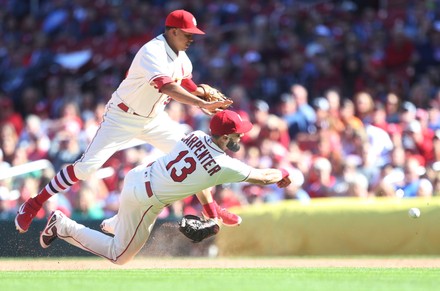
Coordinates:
(231, 225)
(17, 226)
(50, 223)
(225, 224)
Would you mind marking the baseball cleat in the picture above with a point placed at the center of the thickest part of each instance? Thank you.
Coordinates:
(227, 218)
(49, 233)
(25, 215)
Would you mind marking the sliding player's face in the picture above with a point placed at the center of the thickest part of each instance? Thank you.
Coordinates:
(233, 143)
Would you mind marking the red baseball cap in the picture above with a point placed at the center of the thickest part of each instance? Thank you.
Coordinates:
(227, 122)
(184, 20)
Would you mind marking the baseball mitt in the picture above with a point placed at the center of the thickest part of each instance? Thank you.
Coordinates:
(196, 229)
(211, 94)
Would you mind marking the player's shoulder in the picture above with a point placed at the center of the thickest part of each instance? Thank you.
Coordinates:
(199, 133)
(196, 132)
(193, 135)
(156, 43)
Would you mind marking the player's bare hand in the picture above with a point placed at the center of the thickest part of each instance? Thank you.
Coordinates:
(284, 182)
(211, 108)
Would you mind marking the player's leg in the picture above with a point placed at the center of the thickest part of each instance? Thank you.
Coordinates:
(135, 221)
(28, 210)
(95, 242)
(163, 134)
(116, 129)
(60, 226)
(136, 217)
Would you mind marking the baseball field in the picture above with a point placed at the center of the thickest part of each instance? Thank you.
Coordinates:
(299, 273)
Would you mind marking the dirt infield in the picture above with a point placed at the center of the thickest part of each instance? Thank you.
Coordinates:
(154, 262)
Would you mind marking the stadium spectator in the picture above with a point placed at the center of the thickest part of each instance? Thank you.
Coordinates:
(9, 142)
(259, 117)
(34, 139)
(299, 92)
(275, 130)
(334, 101)
(352, 182)
(392, 108)
(8, 115)
(85, 205)
(412, 181)
(436, 184)
(64, 149)
(363, 105)
(288, 111)
(436, 146)
(418, 141)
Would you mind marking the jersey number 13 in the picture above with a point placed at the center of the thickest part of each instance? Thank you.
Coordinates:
(179, 171)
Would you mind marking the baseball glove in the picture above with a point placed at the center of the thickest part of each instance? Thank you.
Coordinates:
(196, 229)
(211, 94)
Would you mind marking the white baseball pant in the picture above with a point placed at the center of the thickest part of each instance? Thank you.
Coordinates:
(118, 130)
(137, 214)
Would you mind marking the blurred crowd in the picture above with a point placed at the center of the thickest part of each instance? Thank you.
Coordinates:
(345, 94)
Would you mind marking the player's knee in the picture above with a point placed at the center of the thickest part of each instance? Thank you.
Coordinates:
(118, 262)
(122, 260)
(84, 171)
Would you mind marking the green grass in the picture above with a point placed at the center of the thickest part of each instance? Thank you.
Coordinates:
(211, 279)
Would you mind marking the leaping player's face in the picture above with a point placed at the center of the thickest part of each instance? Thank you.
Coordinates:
(182, 39)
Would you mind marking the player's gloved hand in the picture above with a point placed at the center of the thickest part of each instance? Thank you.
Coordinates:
(216, 100)
(285, 180)
(198, 229)
(211, 108)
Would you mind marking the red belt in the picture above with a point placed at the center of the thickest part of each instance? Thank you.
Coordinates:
(148, 189)
(148, 184)
(126, 109)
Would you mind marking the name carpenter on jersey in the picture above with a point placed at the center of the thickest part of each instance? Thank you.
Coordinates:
(202, 154)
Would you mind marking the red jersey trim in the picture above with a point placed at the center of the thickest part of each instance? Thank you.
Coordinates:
(189, 85)
(160, 81)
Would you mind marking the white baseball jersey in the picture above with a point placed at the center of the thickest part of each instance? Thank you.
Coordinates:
(194, 164)
(154, 60)
(120, 129)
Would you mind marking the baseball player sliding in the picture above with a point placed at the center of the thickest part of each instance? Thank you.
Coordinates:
(160, 71)
(198, 161)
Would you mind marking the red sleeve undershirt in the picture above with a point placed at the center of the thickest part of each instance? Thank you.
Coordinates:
(160, 81)
(188, 84)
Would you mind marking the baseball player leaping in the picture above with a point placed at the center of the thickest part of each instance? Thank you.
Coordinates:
(197, 162)
(161, 70)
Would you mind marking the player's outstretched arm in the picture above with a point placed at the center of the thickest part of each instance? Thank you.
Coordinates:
(269, 176)
(179, 94)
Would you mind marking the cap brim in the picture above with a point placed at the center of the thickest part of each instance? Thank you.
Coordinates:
(246, 126)
(193, 30)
